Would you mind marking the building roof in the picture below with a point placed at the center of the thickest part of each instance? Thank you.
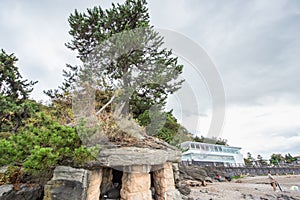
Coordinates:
(189, 142)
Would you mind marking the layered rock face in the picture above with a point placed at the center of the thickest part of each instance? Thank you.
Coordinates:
(133, 156)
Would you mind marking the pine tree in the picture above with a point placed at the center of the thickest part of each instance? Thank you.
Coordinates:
(106, 32)
(14, 94)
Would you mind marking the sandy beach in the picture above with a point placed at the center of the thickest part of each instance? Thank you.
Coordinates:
(248, 188)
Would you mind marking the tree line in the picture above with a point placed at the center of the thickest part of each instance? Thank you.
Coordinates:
(274, 160)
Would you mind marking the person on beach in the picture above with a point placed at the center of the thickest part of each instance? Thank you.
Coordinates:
(272, 180)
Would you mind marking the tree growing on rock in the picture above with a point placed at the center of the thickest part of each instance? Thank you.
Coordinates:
(121, 50)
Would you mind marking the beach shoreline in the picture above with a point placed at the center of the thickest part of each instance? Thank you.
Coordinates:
(257, 187)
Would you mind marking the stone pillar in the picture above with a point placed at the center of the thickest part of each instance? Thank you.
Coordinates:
(164, 183)
(136, 186)
(93, 192)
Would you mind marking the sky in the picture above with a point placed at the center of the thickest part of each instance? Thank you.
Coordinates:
(255, 46)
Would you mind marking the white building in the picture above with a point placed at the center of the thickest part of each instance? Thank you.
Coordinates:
(212, 154)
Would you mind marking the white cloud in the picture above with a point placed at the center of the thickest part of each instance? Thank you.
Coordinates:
(264, 129)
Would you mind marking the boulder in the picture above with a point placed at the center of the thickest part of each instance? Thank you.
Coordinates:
(7, 192)
(67, 183)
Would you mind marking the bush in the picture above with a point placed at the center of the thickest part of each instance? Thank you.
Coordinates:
(42, 144)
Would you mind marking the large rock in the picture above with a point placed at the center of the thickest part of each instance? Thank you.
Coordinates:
(128, 156)
(6, 189)
(193, 172)
(33, 193)
(71, 183)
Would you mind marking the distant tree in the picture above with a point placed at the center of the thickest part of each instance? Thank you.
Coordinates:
(221, 141)
(261, 161)
(249, 160)
(276, 159)
(289, 158)
(213, 140)
(14, 94)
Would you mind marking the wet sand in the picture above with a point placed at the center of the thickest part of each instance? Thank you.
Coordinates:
(248, 188)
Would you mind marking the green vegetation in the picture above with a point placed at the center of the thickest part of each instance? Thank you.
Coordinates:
(146, 71)
(249, 161)
(14, 92)
(275, 160)
(31, 139)
(236, 177)
(35, 138)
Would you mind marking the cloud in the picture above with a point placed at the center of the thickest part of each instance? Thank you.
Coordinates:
(262, 129)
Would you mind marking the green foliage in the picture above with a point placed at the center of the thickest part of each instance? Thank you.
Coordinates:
(146, 61)
(236, 177)
(42, 144)
(82, 154)
(249, 160)
(169, 130)
(276, 159)
(7, 151)
(289, 158)
(41, 159)
(14, 93)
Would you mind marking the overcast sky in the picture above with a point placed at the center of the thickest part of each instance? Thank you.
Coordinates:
(255, 45)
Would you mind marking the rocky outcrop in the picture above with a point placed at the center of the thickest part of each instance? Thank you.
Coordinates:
(71, 183)
(193, 172)
(7, 192)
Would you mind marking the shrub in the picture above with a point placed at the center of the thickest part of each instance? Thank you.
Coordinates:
(42, 144)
